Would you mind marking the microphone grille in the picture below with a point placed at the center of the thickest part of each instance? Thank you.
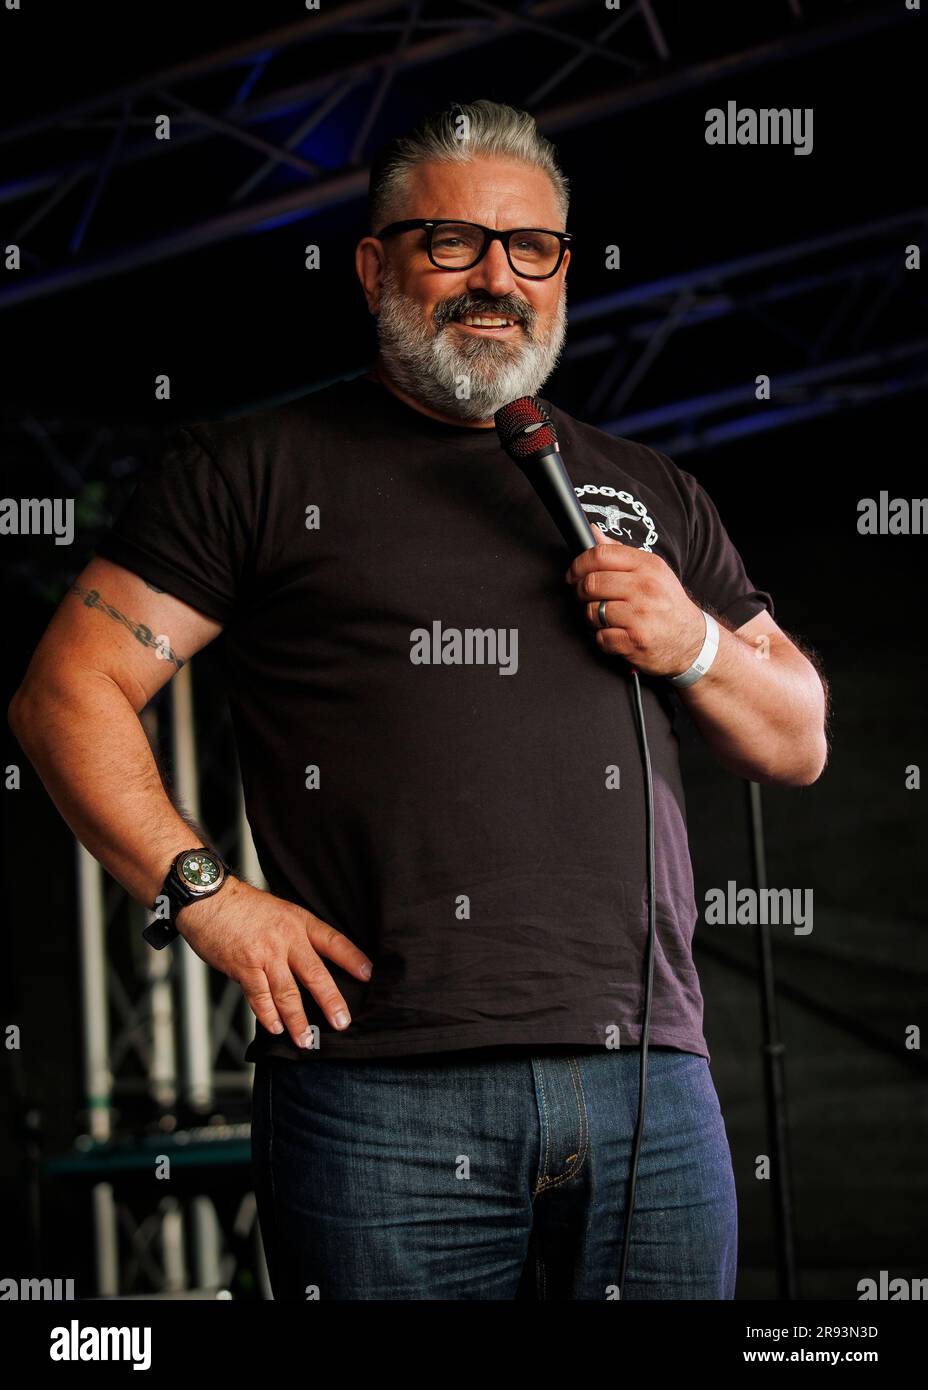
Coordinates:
(525, 428)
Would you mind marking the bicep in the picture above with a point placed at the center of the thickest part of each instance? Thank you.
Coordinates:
(113, 624)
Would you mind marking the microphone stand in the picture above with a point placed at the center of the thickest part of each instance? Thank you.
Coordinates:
(773, 1051)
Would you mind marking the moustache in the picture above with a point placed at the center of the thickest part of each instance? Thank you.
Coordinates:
(459, 307)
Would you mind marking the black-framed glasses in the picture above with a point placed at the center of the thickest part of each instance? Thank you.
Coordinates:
(535, 253)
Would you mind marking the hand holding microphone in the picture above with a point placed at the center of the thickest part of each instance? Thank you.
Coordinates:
(649, 617)
(632, 597)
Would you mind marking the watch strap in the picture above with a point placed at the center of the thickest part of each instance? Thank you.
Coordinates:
(161, 931)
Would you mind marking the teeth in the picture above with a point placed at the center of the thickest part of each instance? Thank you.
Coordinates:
(476, 322)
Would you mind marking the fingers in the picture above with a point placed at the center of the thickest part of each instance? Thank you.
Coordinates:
(257, 991)
(306, 965)
(289, 1001)
(274, 996)
(270, 983)
(607, 584)
(619, 614)
(334, 945)
(618, 557)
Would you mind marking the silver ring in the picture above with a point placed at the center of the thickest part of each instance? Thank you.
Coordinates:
(602, 613)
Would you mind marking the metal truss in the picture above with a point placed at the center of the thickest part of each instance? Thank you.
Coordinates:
(835, 356)
(70, 234)
(185, 1245)
(155, 1037)
(152, 1029)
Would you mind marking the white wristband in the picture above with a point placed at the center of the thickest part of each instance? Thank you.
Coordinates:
(705, 658)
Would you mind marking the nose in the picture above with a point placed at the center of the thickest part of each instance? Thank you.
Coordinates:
(493, 274)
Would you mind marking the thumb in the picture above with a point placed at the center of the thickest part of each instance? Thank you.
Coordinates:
(608, 540)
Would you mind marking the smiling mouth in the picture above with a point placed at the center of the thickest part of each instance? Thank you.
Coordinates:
(486, 323)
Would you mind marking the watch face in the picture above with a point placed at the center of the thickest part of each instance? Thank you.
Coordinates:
(199, 870)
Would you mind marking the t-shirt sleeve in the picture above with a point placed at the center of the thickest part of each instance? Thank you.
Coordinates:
(714, 572)
(183, 529)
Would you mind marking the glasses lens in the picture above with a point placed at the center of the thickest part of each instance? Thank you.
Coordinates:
(455, 244)
(534, 253)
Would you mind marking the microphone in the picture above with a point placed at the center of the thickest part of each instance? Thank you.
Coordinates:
(526, 431)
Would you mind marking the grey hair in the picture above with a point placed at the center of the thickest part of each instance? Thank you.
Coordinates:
(453, 136)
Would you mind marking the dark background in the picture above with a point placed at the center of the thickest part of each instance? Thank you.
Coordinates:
(240, 322)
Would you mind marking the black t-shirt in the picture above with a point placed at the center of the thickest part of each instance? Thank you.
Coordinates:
(396, 616)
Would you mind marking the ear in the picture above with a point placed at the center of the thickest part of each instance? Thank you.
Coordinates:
(369, 264)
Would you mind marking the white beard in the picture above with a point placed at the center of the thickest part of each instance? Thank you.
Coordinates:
(468, 378)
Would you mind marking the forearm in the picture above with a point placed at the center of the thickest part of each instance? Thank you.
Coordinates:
(762, 713)
(88, 746)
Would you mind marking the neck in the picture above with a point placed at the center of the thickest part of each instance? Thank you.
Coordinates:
(379, 372)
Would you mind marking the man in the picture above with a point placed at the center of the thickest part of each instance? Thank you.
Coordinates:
(439, 756)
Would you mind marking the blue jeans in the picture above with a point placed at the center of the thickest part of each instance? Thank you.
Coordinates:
(489, 1176)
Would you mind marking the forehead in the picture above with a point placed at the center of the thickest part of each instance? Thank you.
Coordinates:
(496, 192)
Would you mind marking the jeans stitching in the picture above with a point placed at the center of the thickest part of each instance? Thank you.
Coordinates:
(270, 1160)
(544, 1183)
(540, 1182)
(583, 1116)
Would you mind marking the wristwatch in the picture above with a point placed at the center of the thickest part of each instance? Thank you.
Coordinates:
(194, 874)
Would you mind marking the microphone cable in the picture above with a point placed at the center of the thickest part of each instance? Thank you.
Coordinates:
(649, 985)
(527, 433)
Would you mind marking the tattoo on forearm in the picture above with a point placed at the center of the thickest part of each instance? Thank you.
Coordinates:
(91, 599)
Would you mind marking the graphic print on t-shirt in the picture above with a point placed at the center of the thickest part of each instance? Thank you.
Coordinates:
(619, 514)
